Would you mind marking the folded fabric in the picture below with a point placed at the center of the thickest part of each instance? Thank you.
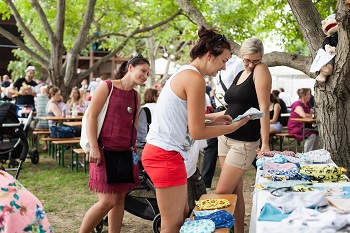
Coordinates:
(323, 173)
(221, 218)
(203, 212)
(274, 152)
(271, 214)
(283, 168)
(278, 158)
(317, 156)
(291, 201)
(252, 112)
(198, 226)
(336, 192)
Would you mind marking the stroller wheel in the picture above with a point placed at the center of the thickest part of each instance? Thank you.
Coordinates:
(156, 224)
(34, 157)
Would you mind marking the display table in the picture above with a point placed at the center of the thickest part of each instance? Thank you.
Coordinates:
(232, 198)
(260, 196)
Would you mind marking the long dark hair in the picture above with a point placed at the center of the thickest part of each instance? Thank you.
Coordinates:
(135, 61)
(209, 41)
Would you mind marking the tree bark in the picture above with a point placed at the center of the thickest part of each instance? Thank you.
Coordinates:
(333, 97)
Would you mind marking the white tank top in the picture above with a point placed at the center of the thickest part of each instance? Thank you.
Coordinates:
(169, 127)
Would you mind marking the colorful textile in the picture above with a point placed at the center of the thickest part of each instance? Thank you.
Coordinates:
(221, 218)
(20, 210)
(323, 173)
(198, 226)
(317, 156)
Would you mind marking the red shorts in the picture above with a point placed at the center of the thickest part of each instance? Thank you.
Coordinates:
(165, 168)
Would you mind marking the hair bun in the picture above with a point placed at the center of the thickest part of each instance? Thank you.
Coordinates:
(204, 32)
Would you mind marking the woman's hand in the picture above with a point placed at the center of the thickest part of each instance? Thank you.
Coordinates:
(221, 120)
(95, 156)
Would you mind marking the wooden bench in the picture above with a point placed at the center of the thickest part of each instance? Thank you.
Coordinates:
(232, 198)
(289, 136)
(63, 144)
(77, 152)
(35, 134)
(50, 140)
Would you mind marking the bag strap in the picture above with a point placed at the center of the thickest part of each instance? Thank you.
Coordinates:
(148, 116)
(222, 83)
(133, 122)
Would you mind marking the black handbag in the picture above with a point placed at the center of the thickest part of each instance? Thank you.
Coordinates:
(119, 164)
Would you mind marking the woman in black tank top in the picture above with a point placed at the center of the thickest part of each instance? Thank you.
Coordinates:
(237, 150)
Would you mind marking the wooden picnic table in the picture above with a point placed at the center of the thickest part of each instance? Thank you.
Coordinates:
(73, 123)
(307, 120)
(61, 119)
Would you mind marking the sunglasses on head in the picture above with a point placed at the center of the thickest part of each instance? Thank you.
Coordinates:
(221, 38)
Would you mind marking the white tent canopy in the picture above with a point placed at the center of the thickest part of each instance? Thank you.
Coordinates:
(161, 64)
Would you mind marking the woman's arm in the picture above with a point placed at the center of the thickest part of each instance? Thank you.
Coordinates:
(300, 111)
(263, 80)
(276, 113)
(194, 92)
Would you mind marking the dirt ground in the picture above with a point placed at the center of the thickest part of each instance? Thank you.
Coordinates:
(132, 223)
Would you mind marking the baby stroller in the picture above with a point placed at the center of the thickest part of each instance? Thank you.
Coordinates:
(140, 203)
(13, 141)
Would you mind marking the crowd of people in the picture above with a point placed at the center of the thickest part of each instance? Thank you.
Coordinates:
(169, 128)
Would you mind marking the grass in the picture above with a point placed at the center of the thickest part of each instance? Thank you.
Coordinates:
(64, 193)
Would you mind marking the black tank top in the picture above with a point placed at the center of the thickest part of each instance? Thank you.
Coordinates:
(272, 112)
(239, 99)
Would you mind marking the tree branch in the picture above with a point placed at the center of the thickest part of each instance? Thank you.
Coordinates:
(43, 19)
(80, 41)
(22, 46)
(26, 31)
(193, 12)
(309, 21)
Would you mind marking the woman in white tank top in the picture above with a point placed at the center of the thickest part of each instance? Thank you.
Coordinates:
(179, 120)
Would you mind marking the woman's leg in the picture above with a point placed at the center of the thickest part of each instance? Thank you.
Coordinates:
(172, 202)
(96, 212)
(230, 181)
(240, 208)
(116, 214)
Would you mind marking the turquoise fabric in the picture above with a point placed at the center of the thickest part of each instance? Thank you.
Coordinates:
(271, 213)
(198, 226)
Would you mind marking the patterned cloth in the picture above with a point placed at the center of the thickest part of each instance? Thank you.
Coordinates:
(221, 218)
(115, 135)
(20, 210)
(198, 226)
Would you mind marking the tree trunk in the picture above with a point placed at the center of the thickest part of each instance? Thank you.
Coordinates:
(333, 97)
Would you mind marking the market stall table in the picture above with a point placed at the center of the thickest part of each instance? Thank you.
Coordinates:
(260, 198)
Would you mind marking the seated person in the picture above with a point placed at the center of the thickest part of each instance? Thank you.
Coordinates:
(53, 109)
(275, 115)
(75, 99)
(284, 109)
(19, 208)
(301, 109)
(150, 99)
